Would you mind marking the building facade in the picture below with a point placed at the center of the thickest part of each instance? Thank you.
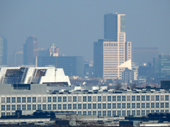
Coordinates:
(113, 51)
(137, 102)
(30, 50)
(3, 51)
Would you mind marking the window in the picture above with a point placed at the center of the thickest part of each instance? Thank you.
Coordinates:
(74, 106)
(18, 107)
(99, 113)
(44, 99)
(8, 107)
(69, 106)
(123, 105)
(109, 105)
(18, 99)
(28, 107)
(2, 99)
(23, 107)
(128, 98)
(104, 105)
(128, 112)
(118, 105)
(89, 106)
(84, 98)
(39, 99)
(138, 98)
(108, 113)
(138, 112)
(133, 98)
(166, 97)
(157, 105)
(33, 99)
(118, 98)
(8, 100)
(84, 112)
(59, 99)
(123, 98)
(166, 105)
(59, 106)
(114, 113)
(64, 106)
(49, 99)
(99, 106)
(13, 100)
(108, 98)
(64, 99)
(119, 112)
(143, 98)
(162, 105)
(162, 97)
(39, 106)
(128, 105)
(147, 112)
(79, 112)
(89, 113)
(152, 105)
(143, 112)
(94, 113)
(157, 97)
(44, 106)
(13, 107)
(152, 97)
(79, 106)
(2, 113)
(133, 112)
(79, 98)
(133, 105)
(89, 98)
(28, 99)
(33, 107)
(113, 98)
(49, 106)
(69, 99)
(104, 113)
(84, 106)
(143, 105)
(147, 98)
(54, 99)
(147, 105)
(74, 99)
(138, 105)
(123, 113)
(23, 99)
(104, 98)
(114, 105)
(94, 98)
(99, 98)
(55, 106)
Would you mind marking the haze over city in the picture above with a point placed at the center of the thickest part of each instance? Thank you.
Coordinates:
(74, 25)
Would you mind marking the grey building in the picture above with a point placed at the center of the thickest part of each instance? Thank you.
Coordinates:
(142, 55)
(128, 75)
(3, 51)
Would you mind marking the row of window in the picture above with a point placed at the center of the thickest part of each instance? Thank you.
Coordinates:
(110, 113)
(84, 98)
(84, 106)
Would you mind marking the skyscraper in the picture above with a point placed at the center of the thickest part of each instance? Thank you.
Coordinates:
(3, 51)
(30, 50)
(112, 54)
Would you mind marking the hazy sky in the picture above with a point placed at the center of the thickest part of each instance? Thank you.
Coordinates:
(73, 25)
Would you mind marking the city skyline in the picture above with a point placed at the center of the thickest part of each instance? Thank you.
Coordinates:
(74, 28)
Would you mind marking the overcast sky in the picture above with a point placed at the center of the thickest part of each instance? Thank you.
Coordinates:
(73, 25)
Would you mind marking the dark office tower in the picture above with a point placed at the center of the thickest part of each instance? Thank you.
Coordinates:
(114, 25)
(30, 50)
(3, 51)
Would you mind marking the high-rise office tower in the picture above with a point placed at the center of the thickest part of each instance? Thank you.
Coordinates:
(30, 50)
(112, 54)
(3, 51)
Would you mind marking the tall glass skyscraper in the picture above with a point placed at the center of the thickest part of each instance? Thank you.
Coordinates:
(3, 51)
(112, 54)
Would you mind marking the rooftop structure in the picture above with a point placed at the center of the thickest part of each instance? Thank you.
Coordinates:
(33, 75)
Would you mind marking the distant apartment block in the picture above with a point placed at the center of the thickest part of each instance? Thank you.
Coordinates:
(112, 54)
(30, 50)
(142, 55)
(3, 51)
